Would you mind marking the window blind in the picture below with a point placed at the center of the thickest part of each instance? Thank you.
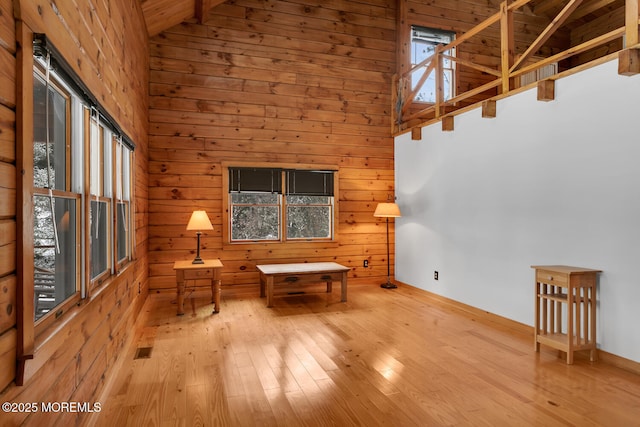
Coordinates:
(41, 47)
(309, 183)
(261, 180)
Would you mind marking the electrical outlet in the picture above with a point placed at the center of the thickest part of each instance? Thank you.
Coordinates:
(365, 263)
(435, 275)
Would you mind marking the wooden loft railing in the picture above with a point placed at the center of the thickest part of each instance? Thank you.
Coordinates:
(499, 77)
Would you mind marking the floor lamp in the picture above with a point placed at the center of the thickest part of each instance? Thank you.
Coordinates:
(388, 210)
(199, 222)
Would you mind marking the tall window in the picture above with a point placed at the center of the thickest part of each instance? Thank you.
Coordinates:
(56, 193)
(423, 45)
(123, 201)
(273, 204)
(82, 209)
(100, 198)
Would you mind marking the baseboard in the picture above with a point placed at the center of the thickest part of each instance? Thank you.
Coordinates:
(520, 328)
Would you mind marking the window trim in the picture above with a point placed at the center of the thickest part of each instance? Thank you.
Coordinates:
(226, 205)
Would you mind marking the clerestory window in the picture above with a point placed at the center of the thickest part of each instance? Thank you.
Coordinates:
(423, 46)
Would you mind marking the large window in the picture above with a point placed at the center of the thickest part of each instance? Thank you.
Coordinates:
(56, 194)
(278, 204)
(81, 191)
(423, 45)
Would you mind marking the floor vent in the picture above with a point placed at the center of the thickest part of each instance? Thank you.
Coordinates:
(143, 353)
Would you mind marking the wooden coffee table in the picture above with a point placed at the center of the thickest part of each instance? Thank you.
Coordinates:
(302, 273)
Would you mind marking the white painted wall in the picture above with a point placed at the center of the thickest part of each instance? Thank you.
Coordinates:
(542, 183)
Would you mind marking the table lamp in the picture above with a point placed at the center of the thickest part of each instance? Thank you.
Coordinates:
(199, 222)
(388, 210)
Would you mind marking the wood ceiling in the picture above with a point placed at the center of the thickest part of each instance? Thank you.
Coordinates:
(164, 14)
(161, 15)
(586, 12)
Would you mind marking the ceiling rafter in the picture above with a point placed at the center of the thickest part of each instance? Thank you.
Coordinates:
(161, 15)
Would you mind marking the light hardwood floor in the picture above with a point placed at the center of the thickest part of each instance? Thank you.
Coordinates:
(386, 357)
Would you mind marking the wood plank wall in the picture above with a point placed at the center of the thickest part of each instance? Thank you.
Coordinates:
(289, 81)
(106, 43)
(282, 81)
(484, 49)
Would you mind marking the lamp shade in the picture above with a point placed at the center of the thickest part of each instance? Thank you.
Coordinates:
(199, 221)
(387, 210)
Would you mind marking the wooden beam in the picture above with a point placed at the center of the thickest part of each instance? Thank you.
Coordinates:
(412, 94)
(489, 108)
(506, 43)
(447, 123)
(473, 65)
(590, 7)
(631, 22)
(199, 10)
(416, 133)
(161, 15)
(583, 47)
(439, 81)
(629, 62)
(403, 38)
(202, 8)
(545, 6)
(546, 90)
(548, 32)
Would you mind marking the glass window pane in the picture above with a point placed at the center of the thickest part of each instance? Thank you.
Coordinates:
(255, 198)
(47, 164)
(308, 200)
(126, 174)
(309, 217)
(255, 222)
(255, 216)
(54, 271)
(99, 237)
(427, 92)
(123, 234)
(96, 158)
(309, 222)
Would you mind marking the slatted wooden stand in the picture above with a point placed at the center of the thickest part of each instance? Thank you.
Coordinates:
(575, 287)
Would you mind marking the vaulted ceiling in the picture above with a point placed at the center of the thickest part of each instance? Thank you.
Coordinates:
(163, 14)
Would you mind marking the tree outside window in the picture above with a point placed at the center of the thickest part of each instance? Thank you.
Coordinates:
(273, 204)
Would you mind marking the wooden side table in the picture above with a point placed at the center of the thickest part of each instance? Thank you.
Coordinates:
(557, 285)
(186, 270)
